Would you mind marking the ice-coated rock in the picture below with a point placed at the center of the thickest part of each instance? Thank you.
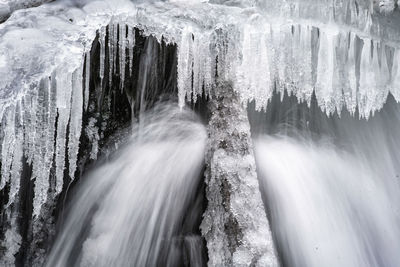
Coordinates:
(235, 224)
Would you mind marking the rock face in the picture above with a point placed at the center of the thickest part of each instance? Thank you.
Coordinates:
(235, 225)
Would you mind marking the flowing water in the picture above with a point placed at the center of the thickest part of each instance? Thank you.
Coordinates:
(129, 211)
(331, 185)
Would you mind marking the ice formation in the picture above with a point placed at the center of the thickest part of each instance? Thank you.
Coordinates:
(341, 50)
(9, 6)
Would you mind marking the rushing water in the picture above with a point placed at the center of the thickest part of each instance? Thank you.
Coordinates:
(331, 185)
(129, 211)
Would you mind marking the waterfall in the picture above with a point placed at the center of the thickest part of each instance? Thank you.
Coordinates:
(130, 210)
(332, 190)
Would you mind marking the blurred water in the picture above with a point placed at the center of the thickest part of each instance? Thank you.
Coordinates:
(129, 211)
(331, 185)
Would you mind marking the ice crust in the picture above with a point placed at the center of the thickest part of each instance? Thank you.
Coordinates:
(347, 54)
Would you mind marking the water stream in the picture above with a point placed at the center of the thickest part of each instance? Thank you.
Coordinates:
(130, 210)
(332, 185)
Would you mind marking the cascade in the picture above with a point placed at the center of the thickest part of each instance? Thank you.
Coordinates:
(137, 199)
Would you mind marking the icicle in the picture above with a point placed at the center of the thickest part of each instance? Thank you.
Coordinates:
(64, 92)
(102, 41)
(75, 125)
(367, 79)
(131, 46)
(208, 67)
(284, 54)
(372, 93)
(225, 42)
(324, 90)
(115, 46)
(382, 76)
(110, 52)
(43, 145)
(87, 80)
(30, 104)
(8, 145)
(197, 67)
(16, 167)
(395, 81)
(185, 63)
(254, 71)
(122, 57)
(274, 40)
(302, 53)
(350, 77)
(291, 76)
(201, 66)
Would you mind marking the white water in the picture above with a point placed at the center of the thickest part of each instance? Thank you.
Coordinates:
(334, 200)
(128, 211)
